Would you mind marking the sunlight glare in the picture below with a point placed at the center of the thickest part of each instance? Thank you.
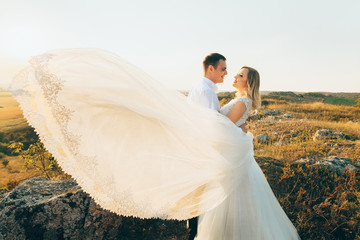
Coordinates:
(21, 41)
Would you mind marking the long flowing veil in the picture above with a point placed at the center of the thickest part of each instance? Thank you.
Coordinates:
(134, 145)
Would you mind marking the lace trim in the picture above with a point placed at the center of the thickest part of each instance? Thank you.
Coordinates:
(226, 109)
(38, 75)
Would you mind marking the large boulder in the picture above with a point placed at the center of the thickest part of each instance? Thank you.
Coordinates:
(42, 209)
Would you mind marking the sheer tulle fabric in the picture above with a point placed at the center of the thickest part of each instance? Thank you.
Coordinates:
(135, 146)
(140, 150)
(250, 212)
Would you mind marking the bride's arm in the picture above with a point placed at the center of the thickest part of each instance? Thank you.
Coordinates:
(237, 111)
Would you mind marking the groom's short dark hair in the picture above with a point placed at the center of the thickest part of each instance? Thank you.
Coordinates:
(213, 60)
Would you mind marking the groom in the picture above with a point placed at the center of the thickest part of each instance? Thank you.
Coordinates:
(204, 93)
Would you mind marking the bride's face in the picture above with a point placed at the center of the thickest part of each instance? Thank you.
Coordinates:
(240, 79)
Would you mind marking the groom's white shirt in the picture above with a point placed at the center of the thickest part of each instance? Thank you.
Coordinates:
(205, 94)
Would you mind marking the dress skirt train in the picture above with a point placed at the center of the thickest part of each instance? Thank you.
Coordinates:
(251, 211)
(140, 150)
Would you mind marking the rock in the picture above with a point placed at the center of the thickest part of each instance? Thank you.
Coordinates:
(321, 134)
(254, 116)
(279, 143)
(357, 162)
(270, 117)
(340, 165)
(262, 138)
(288, 115)
(336, 163)
(339, 134)
(327, 134)
(42, 209)
(303, 161)
(263, 113)
(271, 112)
(269, 122)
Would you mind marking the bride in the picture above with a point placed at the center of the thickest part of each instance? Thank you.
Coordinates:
(251, 211)
(140, 150)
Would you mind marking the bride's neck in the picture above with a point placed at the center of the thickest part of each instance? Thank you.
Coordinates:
(242, 93)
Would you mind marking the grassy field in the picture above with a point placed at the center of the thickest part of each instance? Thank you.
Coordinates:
(312, 111)
(296, 135)
(15, 172)
(11, 123)
(340, 101)
(321, 204)
(11, 117)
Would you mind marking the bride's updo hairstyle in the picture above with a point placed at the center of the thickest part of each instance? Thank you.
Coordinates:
(253, 86)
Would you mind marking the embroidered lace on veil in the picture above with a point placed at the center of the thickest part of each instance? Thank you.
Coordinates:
(135, 146)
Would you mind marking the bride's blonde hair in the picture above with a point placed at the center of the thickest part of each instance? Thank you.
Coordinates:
(253, 86)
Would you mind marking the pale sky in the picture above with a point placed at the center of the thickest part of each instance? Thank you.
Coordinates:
(296, 45)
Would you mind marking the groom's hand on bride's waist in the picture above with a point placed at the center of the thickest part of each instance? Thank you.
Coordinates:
(244, 127)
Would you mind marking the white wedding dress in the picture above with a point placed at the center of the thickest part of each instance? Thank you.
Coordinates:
(140, 150)
(251, 211)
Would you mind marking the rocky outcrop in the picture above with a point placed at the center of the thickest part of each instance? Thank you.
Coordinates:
(327, 134)
(334, 163)
(44, 209)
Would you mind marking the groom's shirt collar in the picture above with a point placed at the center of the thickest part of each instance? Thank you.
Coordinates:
(210, 83)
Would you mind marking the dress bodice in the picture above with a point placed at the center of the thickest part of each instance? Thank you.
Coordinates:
(227, 107)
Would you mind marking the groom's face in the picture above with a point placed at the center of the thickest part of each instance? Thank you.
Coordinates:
(219, 72)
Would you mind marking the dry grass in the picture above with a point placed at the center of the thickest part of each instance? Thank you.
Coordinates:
(321, 204)
(15, 171)
(11, 116)
(319, 111)
(11, 119)
(297, 134)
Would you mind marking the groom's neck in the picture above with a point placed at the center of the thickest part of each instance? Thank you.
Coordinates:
(210, 78)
